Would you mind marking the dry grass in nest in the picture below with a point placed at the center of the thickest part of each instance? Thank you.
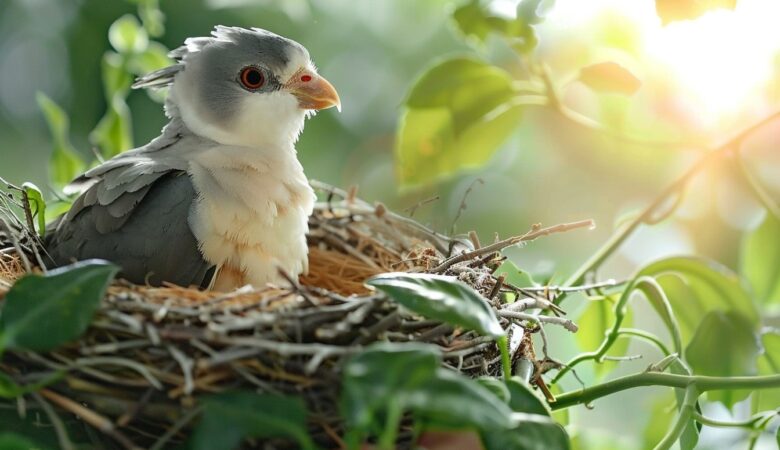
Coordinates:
(150, 352)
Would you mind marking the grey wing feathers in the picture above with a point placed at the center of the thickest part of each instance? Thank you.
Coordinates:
(150, 240)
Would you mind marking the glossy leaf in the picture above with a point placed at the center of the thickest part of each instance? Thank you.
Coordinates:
(724, 345)
(609, 77)
(457, 115)
(674, 10)
(230, 417)
(61, 302)
(760, 260)
(440, 298)
(127, 36)
(595, 321)
(696, 286)
(523, 399)
(528, 436)
(37, 205)
(65, 163)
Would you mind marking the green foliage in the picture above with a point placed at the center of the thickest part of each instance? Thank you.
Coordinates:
(760, 260)
(37, 205)
(456, 116)
(61, 302)
(440, 298)
(768, 364)
(230, 417)
(724, 345)
(695, 286)
(65, 163)
(12, 441)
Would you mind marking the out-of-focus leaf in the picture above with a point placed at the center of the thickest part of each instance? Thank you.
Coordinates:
(609, 77)
(113, 134)
(475, 20)
(514, 275)
(655, 295)
(127, 36)
(768, 364)
(441, 298)
(594, 322)
(724, 345)
(533, 11)
(61, 302)
(528, 436)
(696, 286)
(378, 376)
(674, 10)
(457, 115)
(152, 18)
(155, 57)
(496, 386)
(65, 163)
(116, 79)
(230, 417)
(523, 399)
(760, 260)
(690, 435)
(661, 414)
(12, 441)
(37, 205)
(9, 388)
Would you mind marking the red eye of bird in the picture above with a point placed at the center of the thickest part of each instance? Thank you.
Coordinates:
(306, 78)
(252, 78)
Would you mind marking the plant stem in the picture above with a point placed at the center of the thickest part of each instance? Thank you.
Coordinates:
(645, 336)
(506, 363)
(747, 423)
(683, 419)
(702, 383)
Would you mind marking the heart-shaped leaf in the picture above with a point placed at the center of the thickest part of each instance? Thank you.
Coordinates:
(61, 302)
(442, 298)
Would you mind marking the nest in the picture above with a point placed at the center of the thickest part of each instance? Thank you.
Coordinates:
(151, 352)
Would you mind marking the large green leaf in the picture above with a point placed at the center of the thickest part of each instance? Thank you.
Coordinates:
(441, 298)
(696, 286)
(476, 20)
(457, 115)
(760, 260)
(597, 318)
(230, 417)
(65, 163)
(523, 399)
(42, 312)
(724, 345)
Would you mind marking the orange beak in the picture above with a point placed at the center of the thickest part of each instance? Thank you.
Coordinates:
(313, 91)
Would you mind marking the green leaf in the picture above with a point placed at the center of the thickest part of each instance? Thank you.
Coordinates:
(515, 276)
(113, 134)
(127, 36)
(476, 21)
(674, 10)
(609, 77)
(760, 260)
(9, 388)
(37, 205)
(528, 436)
(696, 286)
(155, 57)
(61, 302)
(440, 298)
(11, 441)
(496, 386)
(768, 364)
(595, 321)
(116, 78)
(724, 345)
(152, 18)
(65, 163)
(230, 417)
(523, 399)
(457, 115)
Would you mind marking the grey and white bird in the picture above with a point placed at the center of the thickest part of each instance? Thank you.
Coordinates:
(219, 199)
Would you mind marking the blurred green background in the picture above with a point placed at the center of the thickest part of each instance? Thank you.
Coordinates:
(703, 81)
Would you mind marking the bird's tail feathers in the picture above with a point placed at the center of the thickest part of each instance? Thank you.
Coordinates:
(158, 78)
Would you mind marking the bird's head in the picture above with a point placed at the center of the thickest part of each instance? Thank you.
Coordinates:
(243, 86)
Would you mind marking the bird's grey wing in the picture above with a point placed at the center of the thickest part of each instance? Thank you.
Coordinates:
(146, 232)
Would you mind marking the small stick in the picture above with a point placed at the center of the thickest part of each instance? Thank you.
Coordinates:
(497, 286)
(535, 232)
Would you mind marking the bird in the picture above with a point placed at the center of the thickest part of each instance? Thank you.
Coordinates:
(219, 199)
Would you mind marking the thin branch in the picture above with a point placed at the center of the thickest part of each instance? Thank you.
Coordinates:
(703, 384)
(535, 232)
